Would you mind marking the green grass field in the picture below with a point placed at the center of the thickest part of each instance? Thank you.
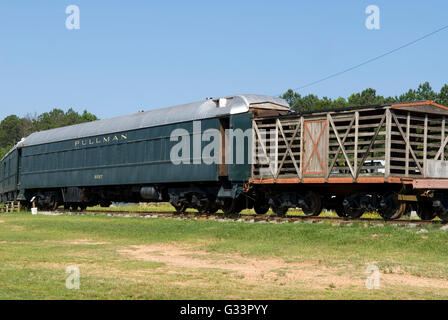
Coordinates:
(145, 258)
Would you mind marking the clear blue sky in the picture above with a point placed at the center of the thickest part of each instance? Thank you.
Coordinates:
(134, 55)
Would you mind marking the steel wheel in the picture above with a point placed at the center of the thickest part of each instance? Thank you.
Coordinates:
(314, 204)
(261, 208)
(54, 206)
(206, 211)
(391, 207)
(356, 213)
(230, 207)
(180, 209)
(105, 204)
(352, 207)
(425, 211)
(440, 205)
(280, 210)
(212, 210)
(341, 212)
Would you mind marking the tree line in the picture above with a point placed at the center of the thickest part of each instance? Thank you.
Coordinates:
(367, 97)
(14, 128)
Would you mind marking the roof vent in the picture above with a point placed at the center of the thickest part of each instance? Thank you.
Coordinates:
(222, 103)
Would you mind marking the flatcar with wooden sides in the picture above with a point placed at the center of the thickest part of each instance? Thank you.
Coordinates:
(390, 159)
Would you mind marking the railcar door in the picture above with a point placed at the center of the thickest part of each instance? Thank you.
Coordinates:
(3, 177)
(239, 147)
(315, 149)
(224, 124)
(19, 168)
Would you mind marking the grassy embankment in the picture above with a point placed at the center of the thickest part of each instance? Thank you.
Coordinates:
(143, 258)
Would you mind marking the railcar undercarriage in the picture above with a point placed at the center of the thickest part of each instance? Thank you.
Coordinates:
(390, 203)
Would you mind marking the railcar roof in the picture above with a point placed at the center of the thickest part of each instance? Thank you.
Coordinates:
(425, 106)
(187, 112)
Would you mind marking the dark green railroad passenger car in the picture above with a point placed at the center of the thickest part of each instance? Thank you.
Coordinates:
(9, 175)
(130, 158)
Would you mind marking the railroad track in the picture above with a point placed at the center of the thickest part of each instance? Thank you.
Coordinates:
(257, 218)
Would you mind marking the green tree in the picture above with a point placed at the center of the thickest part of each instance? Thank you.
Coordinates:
(11, 131)
(58, 118)
(442, 97)
(13, 128)
(87, 116)
(408, 96)
(364, 98)
(425, 92)
(368, 97)
(293, 98)
(340, 103)
(4, 151)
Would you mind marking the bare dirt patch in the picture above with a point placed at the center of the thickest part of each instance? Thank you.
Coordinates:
(16, 228)
(272, 271)
(78, 242)
(14, 242)
(87, 241)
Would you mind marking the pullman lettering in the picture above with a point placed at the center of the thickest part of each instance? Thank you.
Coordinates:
(101, 140)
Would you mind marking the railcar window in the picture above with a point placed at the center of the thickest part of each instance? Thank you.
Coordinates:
(91, 157)
(37, 162)
(80, 162)
(137, 151)
(140, 152)
(150, 150)
(157, 146)
(99, 155)
(124, 151)
(59, 160)
(114, 156)
(51, 161)
(64, 157)
(163, 149)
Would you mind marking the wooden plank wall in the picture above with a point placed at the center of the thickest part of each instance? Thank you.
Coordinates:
(400, 141)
